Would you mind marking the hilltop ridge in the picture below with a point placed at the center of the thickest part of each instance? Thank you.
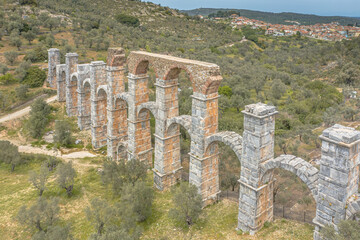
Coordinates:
(277, 18)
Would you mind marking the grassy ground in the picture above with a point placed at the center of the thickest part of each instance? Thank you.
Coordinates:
(217, 222)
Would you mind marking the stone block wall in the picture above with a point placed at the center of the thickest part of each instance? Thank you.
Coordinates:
(61, 82)
(255, 197)
(53, 61)
(339, 175)
(71, 61)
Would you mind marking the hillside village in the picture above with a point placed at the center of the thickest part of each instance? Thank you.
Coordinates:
(330, 31)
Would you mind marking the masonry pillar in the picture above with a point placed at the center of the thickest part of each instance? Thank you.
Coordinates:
(117, 109)
(338, 176)
(97, 78)
(53, 60)
(71, 61)
(61, 82)
(204, 169)
(255, 197)
(167, 165)
(84, 92)
(139, 135)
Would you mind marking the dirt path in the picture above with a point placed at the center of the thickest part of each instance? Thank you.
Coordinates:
(22, 112)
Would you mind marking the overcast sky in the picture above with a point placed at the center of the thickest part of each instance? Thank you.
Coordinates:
(318, 7)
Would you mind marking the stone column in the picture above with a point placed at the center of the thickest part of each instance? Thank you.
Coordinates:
(204, 169)
(97, 78)
(117, 112)
(84, 108)
(61, 82)
(338, 176)
(167, 163)
(139, 136)
(71, 60)
(255, 200)
(53, 60)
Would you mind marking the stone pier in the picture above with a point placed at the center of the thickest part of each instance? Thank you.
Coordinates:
(53, 61)
(338, 177)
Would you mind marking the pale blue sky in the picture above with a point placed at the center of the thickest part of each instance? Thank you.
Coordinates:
(318, 7)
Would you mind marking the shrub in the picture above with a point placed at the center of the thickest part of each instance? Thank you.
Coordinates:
(11, 57)
(21, 92)
(7, 79)
(34, 77)
(127, 20)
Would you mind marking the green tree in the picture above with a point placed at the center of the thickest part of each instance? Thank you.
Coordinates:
(123, 172)
(11, 57)
(139, 198)
(347, 230)
(51, 163)
(226, 91)
(63, 134)
(40, 216)
(278, 88)
(21, 92)
(10, 154)
(187, 202)
(349, 74)
(8, 79)
(39, 118)
(40, 178)
(100, 214)
(3, 69)
(127, 20)
(15, 40)
(331, 116)
(29, 35)
(349, 113)
(65, 177)
(34, 77)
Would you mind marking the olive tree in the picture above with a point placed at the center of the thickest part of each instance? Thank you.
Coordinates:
(65, 177)
(187, 204)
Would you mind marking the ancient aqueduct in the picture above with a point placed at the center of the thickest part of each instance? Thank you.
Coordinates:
(95, 93)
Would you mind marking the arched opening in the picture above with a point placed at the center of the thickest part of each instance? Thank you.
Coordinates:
(62, 85)
(87, 101)
(223, 170)
(101, 116)
(181, 147)
(121, 152)
(142, 67)
(145, 138)
(74, 94)
(292, 198)
(120, 127)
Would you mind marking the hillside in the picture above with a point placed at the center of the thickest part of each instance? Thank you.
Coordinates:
(308, 80)
(277, 18)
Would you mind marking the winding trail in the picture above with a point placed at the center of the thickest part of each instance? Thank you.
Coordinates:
(74, 156)
(22, 112)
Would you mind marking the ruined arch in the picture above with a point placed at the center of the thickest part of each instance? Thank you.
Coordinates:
(184, 121)
(231, 139)
(121, 151)
(142, 67)
(150, 106)
(301, 168)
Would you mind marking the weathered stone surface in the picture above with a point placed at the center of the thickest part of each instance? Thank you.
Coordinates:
(53, 61)
(95, 93)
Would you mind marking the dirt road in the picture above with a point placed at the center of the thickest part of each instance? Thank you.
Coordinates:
(22, 112)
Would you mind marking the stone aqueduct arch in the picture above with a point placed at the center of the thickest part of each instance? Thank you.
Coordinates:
(120, 121)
